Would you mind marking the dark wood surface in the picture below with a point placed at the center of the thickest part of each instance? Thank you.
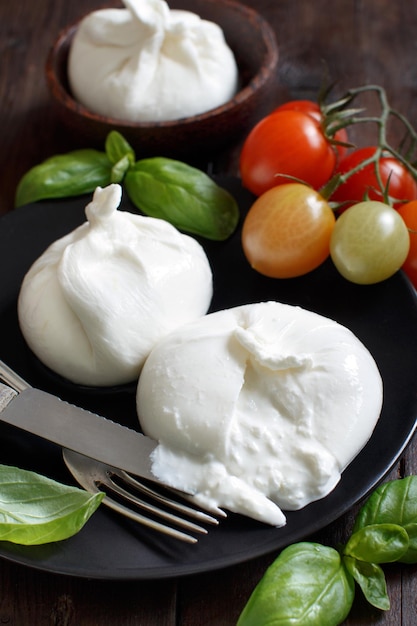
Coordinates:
(359, 42)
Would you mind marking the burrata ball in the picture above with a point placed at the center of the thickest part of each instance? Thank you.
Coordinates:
(94, 304)
(258, 408)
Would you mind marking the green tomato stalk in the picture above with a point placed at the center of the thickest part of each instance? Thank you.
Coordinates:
(336, 116)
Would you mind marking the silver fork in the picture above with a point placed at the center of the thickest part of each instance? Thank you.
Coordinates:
(147, 506)
(95, 477)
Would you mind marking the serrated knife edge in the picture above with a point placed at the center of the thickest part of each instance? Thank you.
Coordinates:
(82, 431)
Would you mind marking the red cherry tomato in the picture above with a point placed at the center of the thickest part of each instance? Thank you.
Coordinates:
(409, 214)
(286, 143)
(402, 185)
(313, 109)
(305, 106)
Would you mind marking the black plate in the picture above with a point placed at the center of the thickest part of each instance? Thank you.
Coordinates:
(383, 316)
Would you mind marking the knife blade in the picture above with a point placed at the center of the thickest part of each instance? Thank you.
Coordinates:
(47, 416)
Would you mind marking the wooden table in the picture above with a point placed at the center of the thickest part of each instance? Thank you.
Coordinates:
(360, 42)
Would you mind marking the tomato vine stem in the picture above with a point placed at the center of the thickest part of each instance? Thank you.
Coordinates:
(336, 116)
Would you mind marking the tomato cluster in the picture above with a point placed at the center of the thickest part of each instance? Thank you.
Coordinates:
(293, 226)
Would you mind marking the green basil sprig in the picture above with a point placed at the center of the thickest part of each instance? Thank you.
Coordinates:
(160, 187)
(313, 585)
(307, 584)
(394, 502)
(35, 509)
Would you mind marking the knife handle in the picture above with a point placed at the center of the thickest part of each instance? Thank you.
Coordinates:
(8, 376)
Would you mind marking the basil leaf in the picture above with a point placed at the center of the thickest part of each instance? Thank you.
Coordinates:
(182, 195)
(394, 502)
(36, 510)
(307, 584)
(411, 555)
(117, 148)
(371, 579)
(119, 170)
(120, 153)
(378, 543)
(72, 174)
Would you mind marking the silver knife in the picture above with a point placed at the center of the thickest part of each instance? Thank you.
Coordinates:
(69, 426)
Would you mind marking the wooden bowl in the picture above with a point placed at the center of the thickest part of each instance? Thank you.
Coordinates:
(254, 45)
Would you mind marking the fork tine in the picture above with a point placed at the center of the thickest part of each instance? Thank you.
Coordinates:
(150, 508)
(95, 477)
(141, 519)
(146, 521)
(173, 504)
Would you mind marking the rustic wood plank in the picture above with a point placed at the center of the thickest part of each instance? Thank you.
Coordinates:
(33, 597)
(218, 598)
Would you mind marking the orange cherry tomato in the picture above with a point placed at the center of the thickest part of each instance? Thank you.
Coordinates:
(287, 231)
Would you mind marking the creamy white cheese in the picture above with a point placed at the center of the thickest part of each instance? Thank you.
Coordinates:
(258, 408)
(97, 300)
(148, 63)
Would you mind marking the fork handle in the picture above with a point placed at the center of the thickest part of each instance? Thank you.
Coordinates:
(8, 376)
